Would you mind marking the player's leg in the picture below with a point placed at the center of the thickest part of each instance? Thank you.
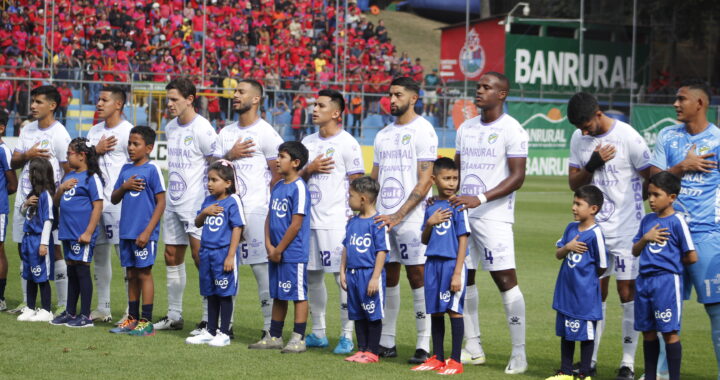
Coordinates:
(17, 236)
(279, 310)
(252, 252)
(134, 290)
(295, 275)
(455, 310)
(103, 277)
(330, 250)
(345, 343)
(61, 276)
(176, 241)
(145, 259)
(392, 299)
(260, 272)
(317, 293)
(626, 271)
(473, 352)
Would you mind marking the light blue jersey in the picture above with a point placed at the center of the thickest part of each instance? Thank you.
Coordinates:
(4, 166)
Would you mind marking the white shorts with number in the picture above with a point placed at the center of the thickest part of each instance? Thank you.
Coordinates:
(491, 244)
(621, 262)
(252, 248)
(177, 226)
(406, 246)
(326, 250)
(109, 228)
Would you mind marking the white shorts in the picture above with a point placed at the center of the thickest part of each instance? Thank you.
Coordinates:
(177, 226)
(109, 228)
(406, 247)
(252, 249)
(492, 244)
(326, 250)
(621, 261)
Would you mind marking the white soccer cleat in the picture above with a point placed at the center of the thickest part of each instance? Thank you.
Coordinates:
(466, 357)
(220, 340)
(25, 314)
(3, 305)
(42, 315)
(199, 328)
(517, 365)
(203, 338)
(168, 324)
(18, 309)
(100, 316)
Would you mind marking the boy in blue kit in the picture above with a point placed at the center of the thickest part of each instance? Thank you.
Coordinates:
(445, 232)
(362, 269)
(8, 185)
(664, 244)
(287, 240)
(577, 297)
(141, 188)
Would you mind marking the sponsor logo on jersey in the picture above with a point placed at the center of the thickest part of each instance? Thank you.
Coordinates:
(391, 193)
(574, 259)
(656, 247)
(664, 316)
(573, 325)
(315, 194)
(214, 222)
(222, 283)
(67, 195)
(369, 307)
(285, 286)
(472, 185)
(280, 207)
(75, 247)
(445, 296)
(141, 254)
(176, 186)
(443, 228)
(36, 270)
(361, 243)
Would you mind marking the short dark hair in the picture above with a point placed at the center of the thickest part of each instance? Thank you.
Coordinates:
(50, 92)
(502, 78)
(296, 150)
(255, 84)
(698, 84)
(366, 185)
(443, 163)
(117, 92)
(147, 134)
(581, 108)
(590, 194)
(408, 83)
(667, 182)
(185, 87)
(335, 97)
(4, 117)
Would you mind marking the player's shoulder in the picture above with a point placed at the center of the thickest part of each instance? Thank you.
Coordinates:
(507, 121)
(631, 134)
(97, 128)
(172, 124)
(672, 132)
(202, 124)
(470, 123)
(311, 138)
(234, 200)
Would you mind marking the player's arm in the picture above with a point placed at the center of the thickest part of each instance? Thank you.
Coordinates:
(291, 233)
(144, 236)
(12, 181)
(343, 267)
(510, 184)
(229, 264)
(92, 224)
(455, 283)
(690, 257)
(374, 283)
(375, 172)
(580, 176)
(654, 235)
(19, 159)
(268, 243)
(457, 165)
(691, 163)
(573, 246)
(419, 192)
(645, 174)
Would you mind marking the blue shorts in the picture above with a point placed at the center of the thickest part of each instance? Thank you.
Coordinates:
(658, 302)
(578, 330)
(132, 256)
(36, 268)
(214, 281)
(78, 252)
(360, 305)
(438, 275)
(705, 273)
(288, 281)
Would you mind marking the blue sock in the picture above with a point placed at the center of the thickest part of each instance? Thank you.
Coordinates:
(32, 290)
(86, 288)
(226, 312)
(73, 292)
(276, 328)
(586, 351)
(714, 314)
(45, 295)
(374, 330)
(567, 350)
(134, 309)
(437, 327)
(213, 306)
(674, 358)
(361, 327)
(147, 312)
(651, 352)
(300, 329)
(457, 329)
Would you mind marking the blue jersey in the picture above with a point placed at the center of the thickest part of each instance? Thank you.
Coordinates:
(444, 237)
(286, 200)
(698, 201)
(217, 229)
(577, 290)
(76, 205)
(138, 206)
(36, 216)
(666, 257)
(363, 240)
(4, 166)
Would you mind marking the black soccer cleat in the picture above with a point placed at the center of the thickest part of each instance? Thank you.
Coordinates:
(625, 373)
(421, 356)
(388, 352)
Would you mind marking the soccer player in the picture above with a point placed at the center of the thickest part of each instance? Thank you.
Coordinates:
(491, 152)
(110, 138)
(690, 150)
(338, 160)
(191, 142)
(251, 145)
(404, 155)
(47, 138)
(664, 244)
(613, 156)
(8, 185)
(577, 297)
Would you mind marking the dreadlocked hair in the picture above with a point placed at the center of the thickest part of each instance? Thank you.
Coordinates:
(82, 145)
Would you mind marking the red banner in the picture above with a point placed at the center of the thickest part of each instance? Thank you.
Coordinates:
(483, 51)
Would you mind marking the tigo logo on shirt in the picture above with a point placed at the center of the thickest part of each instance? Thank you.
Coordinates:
(214, 222)
(69, 194)
(665, 316)
(222, 284)
(573, 325)
(280, 207)
(362, 243)
(369, 307)
(285, 286)
(443, 227)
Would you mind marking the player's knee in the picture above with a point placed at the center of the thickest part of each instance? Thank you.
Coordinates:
(671, 337)
(650, 336)
(626, 291)
(415, 276)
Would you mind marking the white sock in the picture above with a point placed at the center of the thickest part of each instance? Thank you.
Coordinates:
(103, 276)
(630, 336)
(471, 322)
(23, 284)
(61, 282)
(262, 279)
(317, 297)
(422, 321)
(205, 309)
(176, 280)
(598, 334)
(392, 309)
(515, 311)
(346, 325)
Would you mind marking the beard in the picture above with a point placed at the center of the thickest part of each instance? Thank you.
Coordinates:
(242, 108)
(400, 110)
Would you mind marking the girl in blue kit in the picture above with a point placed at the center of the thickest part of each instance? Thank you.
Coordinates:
(221, 218)
(80, 198)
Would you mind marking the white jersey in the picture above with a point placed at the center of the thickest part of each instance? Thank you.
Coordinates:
(397, 150)
(111, 162)
(252, 174)
(55, 139)
(188, 147)
(329, 191)
(618, 179)
(484, 150)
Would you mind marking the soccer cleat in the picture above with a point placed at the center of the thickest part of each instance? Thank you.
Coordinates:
(62, 319)
(354, 357)
(368, 357)
(625, 373)
(267, 343)
(122, 320)
(560, 375)
(576, 369)
(420, 357)
(18, 309)
(143, 328)
(126, 327)
(451, 368)
(313, 340)
(388, 352)
(203, 338)
(296, 345)
(3, 305)
(199, 328)
(431, 364)
(219, 340)
(26, 314)
(41, 315)
(80, 321)
(59, 310)
(467, 358)
(344, 346)
(659, 376)
(516, 365)
(166, 323)
(100, 316)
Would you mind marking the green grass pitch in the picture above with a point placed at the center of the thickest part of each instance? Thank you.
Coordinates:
(38, 350)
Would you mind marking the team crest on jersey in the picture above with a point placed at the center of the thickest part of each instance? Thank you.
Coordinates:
(240, 186)
(405, 139)
(492, 138)
(391, 193)
(315, 194)
(703, 149)
(606, 211)
(188, 140)
(44, 144)
(329, 152)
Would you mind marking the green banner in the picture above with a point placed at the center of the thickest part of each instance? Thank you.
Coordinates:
(649, 120)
